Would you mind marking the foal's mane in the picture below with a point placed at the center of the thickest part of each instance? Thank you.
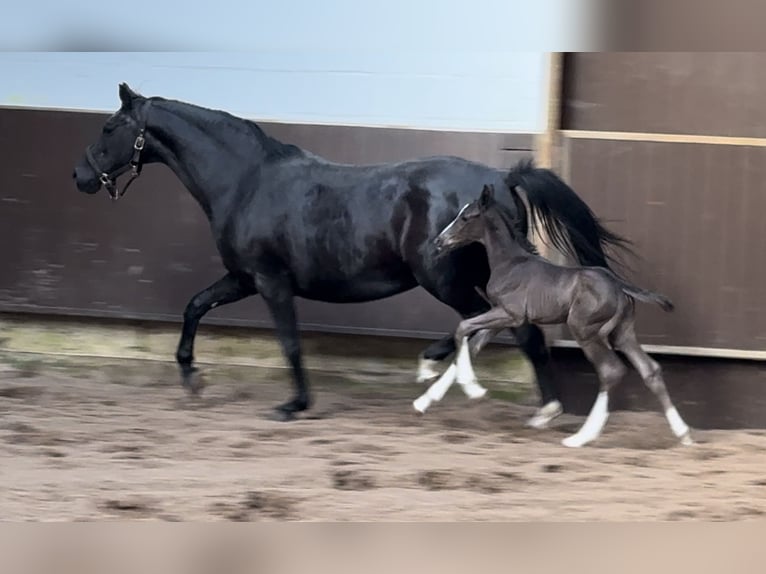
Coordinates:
(512, 225)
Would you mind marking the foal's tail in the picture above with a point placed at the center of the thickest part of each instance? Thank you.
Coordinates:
(643, 294)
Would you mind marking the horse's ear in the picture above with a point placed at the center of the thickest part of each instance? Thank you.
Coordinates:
(127, 96)
(487, 195)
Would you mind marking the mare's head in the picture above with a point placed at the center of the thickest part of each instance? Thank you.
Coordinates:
(468, 226)
(118, 149)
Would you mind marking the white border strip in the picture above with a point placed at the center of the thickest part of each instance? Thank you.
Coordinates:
(664, 138)
(711, 352)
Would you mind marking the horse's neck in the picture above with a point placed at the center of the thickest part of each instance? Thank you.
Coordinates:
(209, 151)
(501, 246)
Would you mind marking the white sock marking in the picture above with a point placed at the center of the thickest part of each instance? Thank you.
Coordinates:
(466, 377)
(677, 424)
(594, 424)
(545, 415)
(436, 392)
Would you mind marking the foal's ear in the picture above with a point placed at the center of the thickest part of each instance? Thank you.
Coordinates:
(487, 195)
(127, 96)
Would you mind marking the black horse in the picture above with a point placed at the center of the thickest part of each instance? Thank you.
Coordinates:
(288, 223)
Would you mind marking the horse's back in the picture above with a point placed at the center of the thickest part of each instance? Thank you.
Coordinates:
(348, 232)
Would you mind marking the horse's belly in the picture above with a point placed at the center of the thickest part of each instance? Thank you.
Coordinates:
(354, 290)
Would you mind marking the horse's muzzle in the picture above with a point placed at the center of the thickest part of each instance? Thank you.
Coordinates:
(85, 181)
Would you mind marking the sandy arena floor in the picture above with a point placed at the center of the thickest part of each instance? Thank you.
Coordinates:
(90, 440)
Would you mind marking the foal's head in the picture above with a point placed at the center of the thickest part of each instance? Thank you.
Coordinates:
(469, 225)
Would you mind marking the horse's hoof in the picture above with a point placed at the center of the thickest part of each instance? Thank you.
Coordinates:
(191, 381)
(282, 416)
(287, 411)
(545, 414)
(687, 440)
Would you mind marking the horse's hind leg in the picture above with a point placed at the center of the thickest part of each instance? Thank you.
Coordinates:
(228, 289)
(610, 371)
(278, 295)
(651, 373)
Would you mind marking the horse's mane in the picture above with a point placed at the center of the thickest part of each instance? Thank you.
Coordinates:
(274, 148)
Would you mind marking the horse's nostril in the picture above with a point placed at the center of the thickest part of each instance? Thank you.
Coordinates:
(74, 174)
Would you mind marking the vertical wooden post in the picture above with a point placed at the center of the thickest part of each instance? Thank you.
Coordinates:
(546, 155)
(547, 142)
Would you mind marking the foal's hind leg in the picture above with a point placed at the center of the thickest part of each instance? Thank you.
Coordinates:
(651, 373)
(610, 371)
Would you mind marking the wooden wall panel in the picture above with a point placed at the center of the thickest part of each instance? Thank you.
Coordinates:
(695, 214)
(710, 93)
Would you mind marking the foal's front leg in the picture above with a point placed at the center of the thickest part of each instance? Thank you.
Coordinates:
(461, 370)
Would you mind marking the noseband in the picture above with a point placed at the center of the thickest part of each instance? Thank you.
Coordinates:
(109, 180)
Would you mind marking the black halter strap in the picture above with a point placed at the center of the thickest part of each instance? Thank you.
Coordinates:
(109, 180)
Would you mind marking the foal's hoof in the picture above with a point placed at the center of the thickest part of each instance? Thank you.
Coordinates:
(427, 370)
(191, 381)
(421, 404)
(475, 391)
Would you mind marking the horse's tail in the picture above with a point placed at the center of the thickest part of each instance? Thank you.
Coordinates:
(566, 219)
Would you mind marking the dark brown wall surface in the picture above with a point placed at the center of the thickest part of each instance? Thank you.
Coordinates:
(694, 210)
(705, 93)
(695, 214)
(144, 256)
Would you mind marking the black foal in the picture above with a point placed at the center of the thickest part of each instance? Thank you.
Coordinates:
(596, 305)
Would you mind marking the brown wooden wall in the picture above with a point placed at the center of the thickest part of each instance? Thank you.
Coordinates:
(691, 196)
(145, 256)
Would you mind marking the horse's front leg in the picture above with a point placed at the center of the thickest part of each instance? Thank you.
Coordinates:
(278, 294)
(461, 370)
(228, 289)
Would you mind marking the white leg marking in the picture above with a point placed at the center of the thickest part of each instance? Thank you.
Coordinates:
(466, 377)
(593, 424)
(427, 370)
(679, 427)
(436, 391)
(545, 415)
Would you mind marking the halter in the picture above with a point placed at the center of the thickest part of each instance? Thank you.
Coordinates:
(109, 180)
